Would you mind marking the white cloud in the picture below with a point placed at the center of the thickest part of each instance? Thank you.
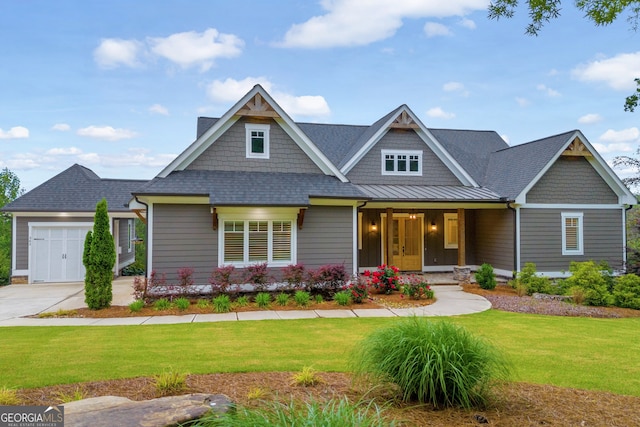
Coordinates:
(624, 135)
(136, 157)
(435, 29)
(590, 118)
(190, 49)
(106, 132)
(159, 109)
(66, 151)
(62, 127)
(230, 90)
(16, 132)
(548, 91)
(618, 72)
(112, 53)
(615, 147)
(360, 22)
(468, 23)
(439, 113)
(452, 87)
(523, 102)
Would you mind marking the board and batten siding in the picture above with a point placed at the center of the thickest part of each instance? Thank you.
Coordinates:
(228, 153)
(572, 180)
(183, 236)
(22, 235)
(326, 237)
(369, 168)
(541, 238)
(494, 238)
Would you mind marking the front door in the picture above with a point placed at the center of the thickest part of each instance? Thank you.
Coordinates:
(407, 243)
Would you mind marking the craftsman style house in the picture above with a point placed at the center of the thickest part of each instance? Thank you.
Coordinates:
(255, 187)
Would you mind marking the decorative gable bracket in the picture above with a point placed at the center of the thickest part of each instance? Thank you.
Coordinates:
(404, 121)
(257, 107)
(577, 149)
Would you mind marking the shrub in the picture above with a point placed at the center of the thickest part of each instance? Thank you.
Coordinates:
(385, 279)
(577, 295)
(77, 394)
(222, 303)
(258, 276)
(282, 299)
(485, 277)
(342, 298)
(415, 287)
(531, 282)
(182, 303)
(302, 298)
(140, 288)
(263, 299)
(319, 299)
(293, 274)
(99, 257)
(257, 393)
(328, 279)
(626, 291)
(306, 377)
(170, 383)
(8, 397)
(203, 303)
(588, 276)
(162, 304)
(135, 269)
(359, 290)
(221, 279)
(185, 280)
(432, 362)
(242, 301)
(136, 306)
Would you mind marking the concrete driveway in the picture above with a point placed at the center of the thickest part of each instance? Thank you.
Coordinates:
(27, 300)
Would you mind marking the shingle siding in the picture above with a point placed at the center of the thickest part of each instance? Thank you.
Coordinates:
(369, 168)
(326, 237)
(572, 180)
(541, 238)
(228, 153)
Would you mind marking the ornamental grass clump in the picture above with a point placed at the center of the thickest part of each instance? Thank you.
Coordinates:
(430, 362)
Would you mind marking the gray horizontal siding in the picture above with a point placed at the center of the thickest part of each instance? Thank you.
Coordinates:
(326, 237)
(541, 238)
(494, 243)
(369, 168)
(22, 235)
(183, 236)
(228, 153)
(571, 180)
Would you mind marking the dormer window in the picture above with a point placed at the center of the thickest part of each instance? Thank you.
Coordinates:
(401, 162)
(257, 141)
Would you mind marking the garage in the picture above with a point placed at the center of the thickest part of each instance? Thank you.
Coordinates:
(56, 252)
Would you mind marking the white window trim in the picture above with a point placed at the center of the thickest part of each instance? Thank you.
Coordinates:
(448, 216)
(249, 127)
(246, 262)
(131, 234)
(580, 217)
(384, 153)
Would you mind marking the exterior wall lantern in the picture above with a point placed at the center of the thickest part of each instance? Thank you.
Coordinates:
(433, 226)
(374, 226)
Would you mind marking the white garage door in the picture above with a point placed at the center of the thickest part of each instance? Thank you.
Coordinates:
(56, 253)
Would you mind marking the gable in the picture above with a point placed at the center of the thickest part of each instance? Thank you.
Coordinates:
(228, 153)
(572, 180)
(369, 169)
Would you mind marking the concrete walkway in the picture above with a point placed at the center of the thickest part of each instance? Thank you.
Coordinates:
(18, 301)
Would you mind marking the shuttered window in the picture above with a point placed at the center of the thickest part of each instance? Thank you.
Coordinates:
(250, 242)
(572, 233)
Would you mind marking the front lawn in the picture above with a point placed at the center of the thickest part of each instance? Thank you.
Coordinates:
(585, 353)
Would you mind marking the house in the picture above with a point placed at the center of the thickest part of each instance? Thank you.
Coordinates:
(51, 221)
(255, 187)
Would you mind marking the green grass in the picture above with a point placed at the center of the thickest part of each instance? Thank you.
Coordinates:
(599, 354)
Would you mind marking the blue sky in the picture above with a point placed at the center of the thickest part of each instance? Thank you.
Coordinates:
(117, 86)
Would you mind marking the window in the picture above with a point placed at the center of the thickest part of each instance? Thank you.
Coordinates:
(131, 234)
(451, 231)
(396, 162)
(247, 242)
(572, 233)
(257, 141)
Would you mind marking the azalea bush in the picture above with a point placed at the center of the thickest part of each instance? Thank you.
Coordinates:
(416, 287)
(385, 279)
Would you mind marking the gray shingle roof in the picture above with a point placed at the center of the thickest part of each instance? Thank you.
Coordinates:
(251, 188)
(77, 189)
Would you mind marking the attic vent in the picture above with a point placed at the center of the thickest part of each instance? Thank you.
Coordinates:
(257, 107)
(404, 121)
(577, 149)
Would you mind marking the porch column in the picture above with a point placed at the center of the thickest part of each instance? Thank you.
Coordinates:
(389, 236)
(461, 272)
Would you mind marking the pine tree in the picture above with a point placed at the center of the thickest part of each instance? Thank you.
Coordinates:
(99, 257)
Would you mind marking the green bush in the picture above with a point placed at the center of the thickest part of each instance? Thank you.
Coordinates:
(282, 299)
(263, 299)
(222, 303)
(203, 303)
(589, 276)
(136, 306)
(432, 362)
(528, 280)
(182, 303)
(342, 298)
(485, 277)
(242, 301)
(162, 304)
(626, 291)
(319, 299)
(302, 298)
